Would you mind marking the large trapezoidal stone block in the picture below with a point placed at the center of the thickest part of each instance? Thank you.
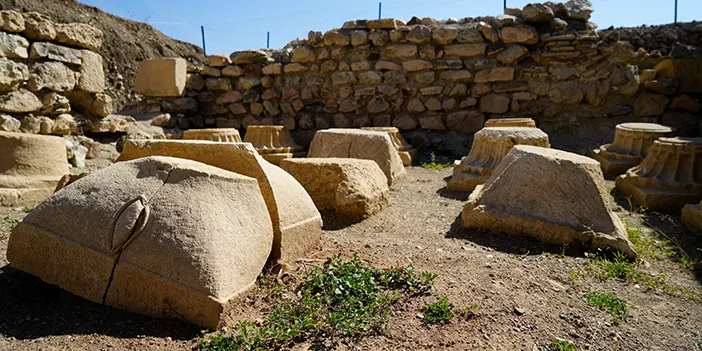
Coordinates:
(404, 149)
(30, 167)
(225, 135)
(668, 178)
(631, 144)
(363, 144)
(692, 216)
(551, 195)
(154, 236)
(510, 122)
(490, 145)
(274, 143)
(161, 77)
(297, 224)
(348, 188)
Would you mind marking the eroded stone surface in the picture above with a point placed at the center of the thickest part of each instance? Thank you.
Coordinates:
(692, 217)
(510, 122)
(490, 145)
(631, 144)
(225, 135)
(551, 195)
(669, 177)
(297, 225)
(30, 167)
(404, 149)
(349, 189)
(363, 144)
(126, 249)
(274, 143)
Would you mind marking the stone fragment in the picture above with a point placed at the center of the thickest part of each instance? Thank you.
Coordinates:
(404, 122)
(53, 76)
(13, 46)
(579, 9)
(302, 55)
(685, 102)
(465, 122)
(19, 101)
(512, 54)
(249, 56)
(494, 103)
(419, 35)
(379, 38)
(400, 51)
(405, 150)
(383, 23)
(499, 74)
(566, 93)
(417, 65)
(374, 78)
(297, 224)
(336, 38)
(363, 144)
(38, 26)
(431, 123)
(9, 124)
(490, 145)
(80, 35)
(92, 74)
(349, 189)
(377, 105)
(11, 21)
(433, 104)
(384, 65)
(12, 74)
(469, 35)
(458, 76)
(30, 167)
(649, 104)
(465, 50)
(273, 143)
(551, 195)
(359, 38)
(520, 34)
(247, 83)
(132, 256)
(444, 35)
(161, 77)
(537, 13)
(64, 124)
(223, 135)
(692, 216)
(631, 144)
(668, 177)
(510, 122)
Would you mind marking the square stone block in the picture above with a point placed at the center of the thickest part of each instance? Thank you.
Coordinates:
(161, 77)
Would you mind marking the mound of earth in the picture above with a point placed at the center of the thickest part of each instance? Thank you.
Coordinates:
(126, 42)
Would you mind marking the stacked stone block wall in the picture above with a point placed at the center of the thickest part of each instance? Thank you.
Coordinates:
(49, 72)
(545, 61)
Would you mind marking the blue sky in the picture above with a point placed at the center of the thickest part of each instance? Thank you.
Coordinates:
(237, 25)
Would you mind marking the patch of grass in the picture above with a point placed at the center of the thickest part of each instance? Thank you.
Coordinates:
(341, 299)
(561, 345)
(10, 222)
(470, 312)
(434, 165)
(609, 303)
(439, 312)
(27, 209)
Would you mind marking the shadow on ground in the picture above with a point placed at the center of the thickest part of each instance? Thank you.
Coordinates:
(517, 245)
(30, 309)
(454, 195)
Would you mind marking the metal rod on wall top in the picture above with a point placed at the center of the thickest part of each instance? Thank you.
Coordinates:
(204, 49)
(676, 11)
(505, 6)
(380, 10)
(268, 40)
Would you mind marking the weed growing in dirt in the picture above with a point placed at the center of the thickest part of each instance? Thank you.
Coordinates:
(27, 209)
(610, 303)
(434, 165)
(560, 345)
(345, 299)
(439, 312)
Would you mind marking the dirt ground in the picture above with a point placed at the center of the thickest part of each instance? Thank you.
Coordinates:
(499, 274)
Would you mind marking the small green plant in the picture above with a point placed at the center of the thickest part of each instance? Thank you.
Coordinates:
(434, 165)
(609, 303)
(439, 312)
(561, 345)
(344, 299)
(27, 209)
(470, 312)
(10, 222)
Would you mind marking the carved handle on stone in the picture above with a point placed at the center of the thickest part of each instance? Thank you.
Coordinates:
(129, 222)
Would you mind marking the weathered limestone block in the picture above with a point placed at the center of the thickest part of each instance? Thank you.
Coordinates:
(537, 13)
(273, 143)
(466, 122)
(631, 144)
(218, 60)
(9, 124)
(79, 34)
(510, 122)
(345, 188)
(159, 236)
(224, 135)
(53, 76)
(12, 74)
(519, 34)
(38, 26)
(161, 77)
(551, 195)
(13, 46)
(404, 149)
(40, 50)
(490, 145)
(669, 177)
(297, 225)
(249, 57)
(465, 50)
(92, 74)
(692, 217)
(30, 167)
(11, 21)
(19, 101)
(363, 144)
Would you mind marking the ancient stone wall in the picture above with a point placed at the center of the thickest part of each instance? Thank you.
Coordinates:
(49, 72)
(657, 38)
